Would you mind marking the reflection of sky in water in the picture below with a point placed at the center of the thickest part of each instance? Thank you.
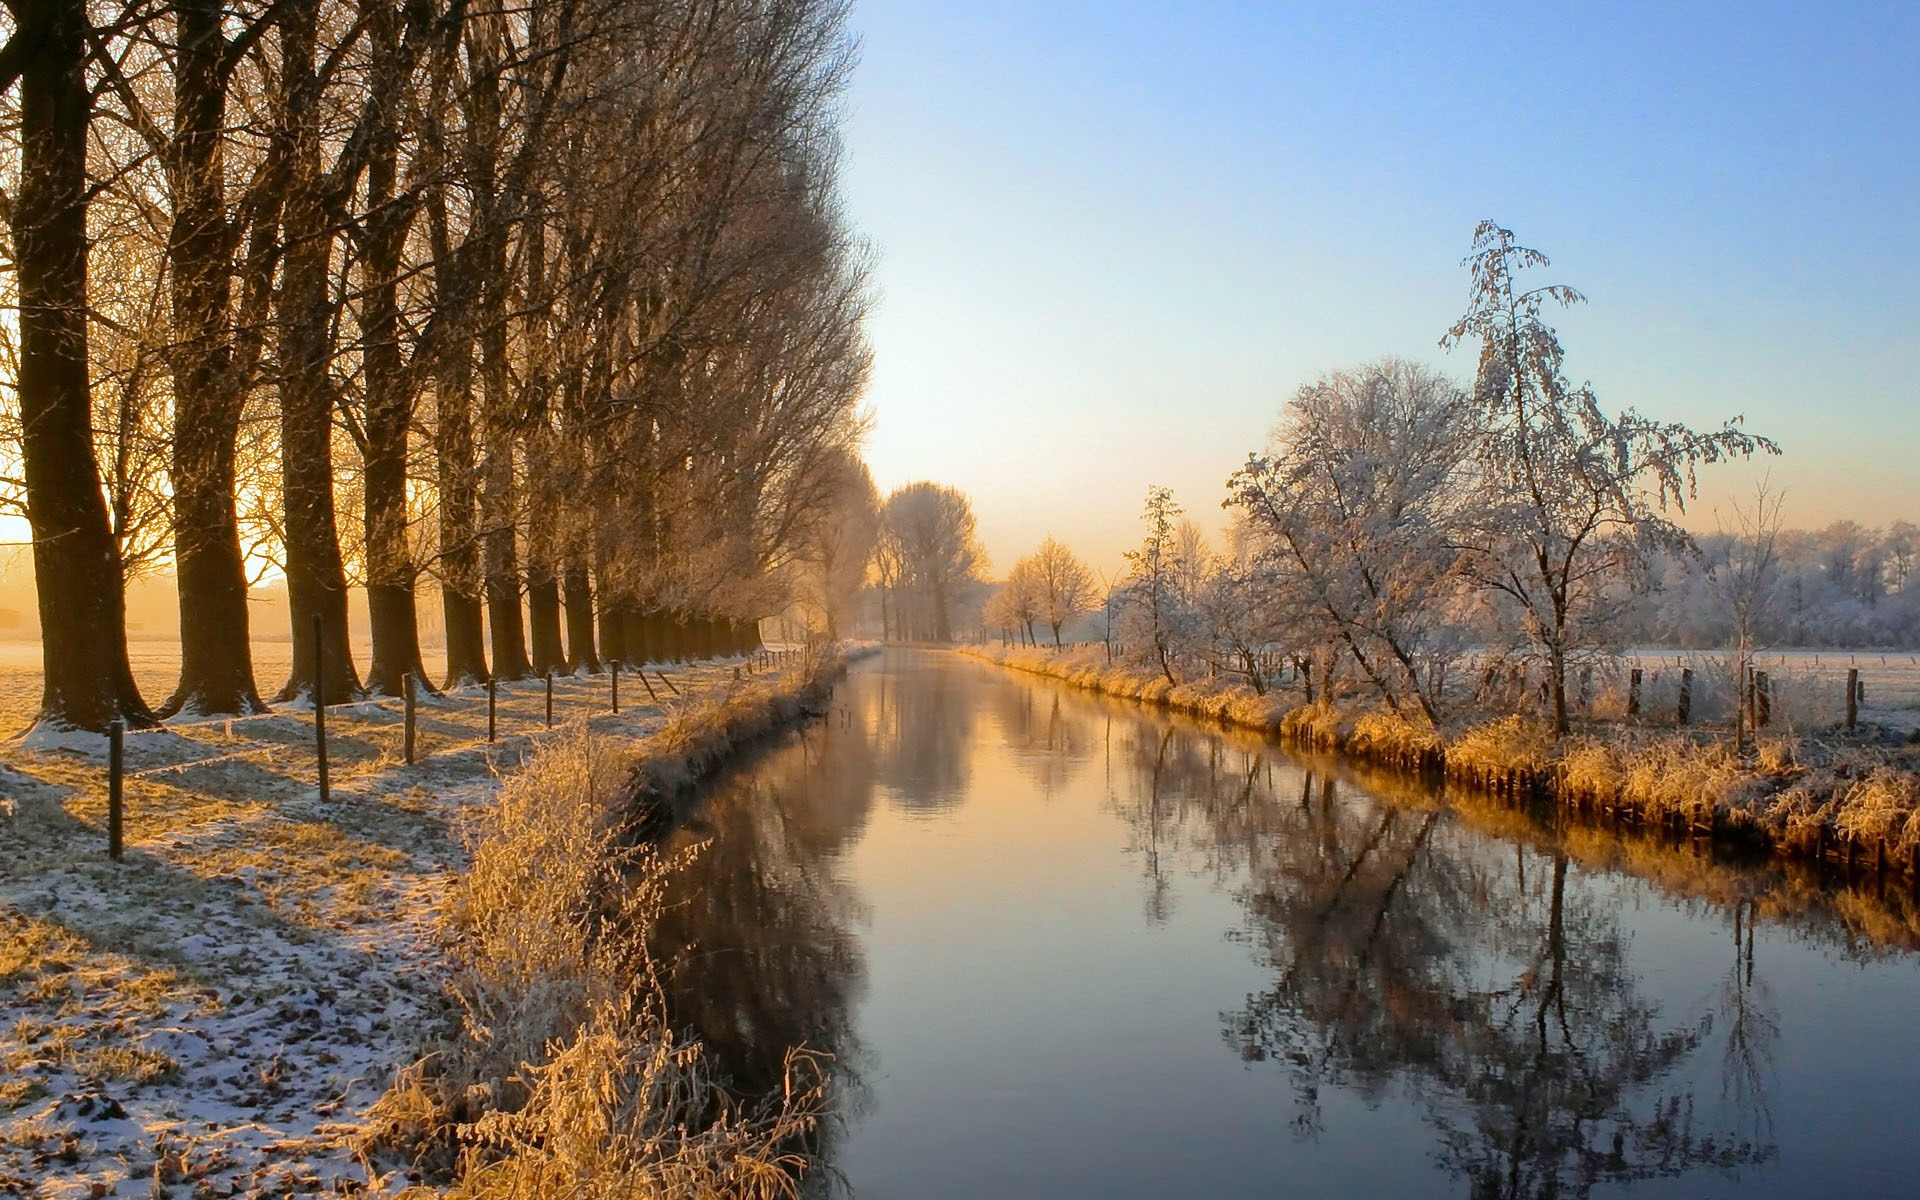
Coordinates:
(1069, 948)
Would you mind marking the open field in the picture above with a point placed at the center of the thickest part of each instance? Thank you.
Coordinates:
(1812, 683)
(218, 1011)
(156, 667)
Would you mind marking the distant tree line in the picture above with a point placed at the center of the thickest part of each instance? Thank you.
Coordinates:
(1842, 585)
(548, 306)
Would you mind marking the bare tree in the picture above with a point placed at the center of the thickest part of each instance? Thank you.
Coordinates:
(1023, 599)
(840, 544)
(1153, 595)
(1745, 584)
(1571, 498)
(88, 682)
(568, 281)
(933, 527)
(1353, 512)
(1001, 611)
(1064, 583)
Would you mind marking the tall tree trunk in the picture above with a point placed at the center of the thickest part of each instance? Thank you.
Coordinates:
(391, 572)
(637, 630)
(460, 602)
(316, 577)
(499, 492)
(612, 610)
(1557, 668)
(457, 476)
(942, 628)
(543, 616)
(578, 590)
(216, 667)
(499, 557)
(76, 562)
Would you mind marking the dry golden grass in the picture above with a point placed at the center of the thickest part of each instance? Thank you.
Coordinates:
(565, 1078)
(1500, 747)
(1883, 808)
(1797, 792)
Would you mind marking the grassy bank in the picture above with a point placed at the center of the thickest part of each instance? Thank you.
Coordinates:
(1815, 796)
(562, 1075)
(225, 1011)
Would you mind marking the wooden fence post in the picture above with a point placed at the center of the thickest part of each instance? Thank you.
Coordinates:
(1762, 699)
(1685, 711)
(116, 787)
(549, 699)
(493, 695)
(1750, 698)
(1853, 698)
(408, 720)
(665, 680)
(616, 686)
(1633, 694)
(320, 708)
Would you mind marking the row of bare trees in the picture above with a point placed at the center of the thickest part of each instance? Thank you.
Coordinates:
(548, 306)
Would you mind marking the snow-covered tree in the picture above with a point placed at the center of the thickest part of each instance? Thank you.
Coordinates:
(1156, 609)
(929, 530)
(1354, 512)
(1063, 583)
(1571, 498)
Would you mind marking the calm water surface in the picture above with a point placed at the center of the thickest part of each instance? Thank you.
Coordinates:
(1062, 947)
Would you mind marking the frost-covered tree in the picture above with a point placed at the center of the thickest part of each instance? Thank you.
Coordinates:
(1743, 581)
(1063, 583)
(1155, 608)
(1353, 513)
(999, 613)
(929, 527)
(1902, 547)
(1241, 618)
(1571, 498)
(839, 542)
(1022, 599)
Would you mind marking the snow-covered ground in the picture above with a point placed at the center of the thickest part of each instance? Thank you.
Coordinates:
(216, 1012)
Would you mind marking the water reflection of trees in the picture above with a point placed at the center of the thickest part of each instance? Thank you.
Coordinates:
(922, 730)
(1411, 953)
(1052, 739)
(756, 948)
(1189, 800)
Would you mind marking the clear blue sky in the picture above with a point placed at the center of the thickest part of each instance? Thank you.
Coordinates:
(1114, 237)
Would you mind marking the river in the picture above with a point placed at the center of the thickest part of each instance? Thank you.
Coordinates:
(1059, 946)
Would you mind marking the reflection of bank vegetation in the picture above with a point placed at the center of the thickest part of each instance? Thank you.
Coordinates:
(756, 944)
(569, 1070)
(1852, 806)
(1460, 946)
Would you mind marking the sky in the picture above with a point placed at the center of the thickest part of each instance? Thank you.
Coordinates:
(1112, 238)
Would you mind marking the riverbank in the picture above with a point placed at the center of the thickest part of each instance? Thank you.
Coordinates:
(225, 1012)
(1814, 795)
